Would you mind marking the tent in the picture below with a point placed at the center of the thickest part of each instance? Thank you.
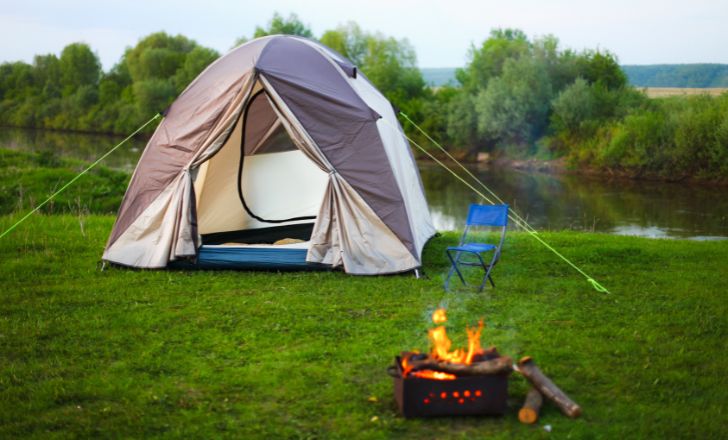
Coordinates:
(280, 138)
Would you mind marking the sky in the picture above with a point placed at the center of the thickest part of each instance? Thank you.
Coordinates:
(638, 32)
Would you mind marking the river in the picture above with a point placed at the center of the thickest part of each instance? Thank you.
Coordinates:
(547, 201)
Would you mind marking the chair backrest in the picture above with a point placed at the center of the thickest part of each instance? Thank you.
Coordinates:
(487, 215)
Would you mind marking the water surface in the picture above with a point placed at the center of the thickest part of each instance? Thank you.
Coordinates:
(584, 203)
(547, 201)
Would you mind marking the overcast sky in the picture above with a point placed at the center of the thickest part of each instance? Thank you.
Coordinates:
(639, 32)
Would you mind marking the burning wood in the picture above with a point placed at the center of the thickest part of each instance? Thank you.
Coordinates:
(444, 364)
(499, 365)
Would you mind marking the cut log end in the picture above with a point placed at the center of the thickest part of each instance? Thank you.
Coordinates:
(531, 407)
(528, 416)
(575, 412)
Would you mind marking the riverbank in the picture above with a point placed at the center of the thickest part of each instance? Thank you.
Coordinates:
(269, 355)
(26, 179)
(561, 166)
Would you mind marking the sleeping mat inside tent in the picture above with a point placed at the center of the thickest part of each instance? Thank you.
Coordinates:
(255, 249)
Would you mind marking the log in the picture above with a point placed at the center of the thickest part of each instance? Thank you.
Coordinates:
(528, 414)
(489, 353)
(542, 383)
(500, 365)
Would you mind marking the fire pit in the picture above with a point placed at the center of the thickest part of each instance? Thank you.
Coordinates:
(446, 383)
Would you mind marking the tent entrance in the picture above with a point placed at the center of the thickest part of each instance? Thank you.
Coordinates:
(275, 140)
(259, 184)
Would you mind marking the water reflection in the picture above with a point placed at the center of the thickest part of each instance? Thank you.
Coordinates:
(550, 202)
(87, 147)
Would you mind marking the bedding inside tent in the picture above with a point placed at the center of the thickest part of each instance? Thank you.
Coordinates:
(258, 189)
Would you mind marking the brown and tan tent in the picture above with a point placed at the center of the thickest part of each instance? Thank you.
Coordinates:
(280, 138)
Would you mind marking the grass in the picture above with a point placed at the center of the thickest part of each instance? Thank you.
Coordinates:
(127, 353)
(27, 179)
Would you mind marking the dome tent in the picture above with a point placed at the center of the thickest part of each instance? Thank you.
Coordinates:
(281, 136)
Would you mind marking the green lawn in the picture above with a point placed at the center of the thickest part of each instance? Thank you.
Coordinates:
(127, 353)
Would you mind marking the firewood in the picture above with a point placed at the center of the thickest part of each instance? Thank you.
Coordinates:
(530, 370)
(529, 413)
(500, 365)
(490, 353)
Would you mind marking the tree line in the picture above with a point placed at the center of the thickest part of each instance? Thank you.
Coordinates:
(515, 97)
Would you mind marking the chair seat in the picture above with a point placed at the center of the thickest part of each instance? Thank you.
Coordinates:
(472, 247)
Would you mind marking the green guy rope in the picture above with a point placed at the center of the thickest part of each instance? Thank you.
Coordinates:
(515, 217)
(7, 231)
(523, 223)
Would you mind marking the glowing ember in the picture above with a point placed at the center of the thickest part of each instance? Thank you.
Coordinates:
(424, 374)
(431, 374)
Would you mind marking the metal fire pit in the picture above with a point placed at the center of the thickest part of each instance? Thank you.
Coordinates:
(465, 395)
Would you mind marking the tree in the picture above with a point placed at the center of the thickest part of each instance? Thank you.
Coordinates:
(487, 61)
(573, 106)
(159, 67)
(514, 106)
(349, 40)
(47, 74)
(158, 55)
(78, 66)
(390, 64)
(16, 81)
(285, 26)
(279, 25)
(195, 62)
(603, 68)
(462, 124)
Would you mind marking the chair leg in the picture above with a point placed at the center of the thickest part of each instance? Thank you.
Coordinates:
(486, 269)
(487, 273)
(453, 268)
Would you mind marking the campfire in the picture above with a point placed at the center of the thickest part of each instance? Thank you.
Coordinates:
(472, 381)
(449, 381)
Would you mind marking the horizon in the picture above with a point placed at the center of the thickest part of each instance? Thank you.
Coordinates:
(678, 34)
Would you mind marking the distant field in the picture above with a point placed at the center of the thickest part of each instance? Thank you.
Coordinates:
(664, 92)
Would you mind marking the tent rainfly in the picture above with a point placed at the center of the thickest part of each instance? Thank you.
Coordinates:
(280, 138)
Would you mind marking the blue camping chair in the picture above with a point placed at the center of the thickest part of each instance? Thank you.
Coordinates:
(493, 216)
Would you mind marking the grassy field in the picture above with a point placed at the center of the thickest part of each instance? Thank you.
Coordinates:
(127, 353)
(664, 92)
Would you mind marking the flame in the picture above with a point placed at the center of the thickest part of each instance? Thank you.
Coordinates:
(441, 342)
(439, 316)
(406, 367)
(473, 342)
(441, 345)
